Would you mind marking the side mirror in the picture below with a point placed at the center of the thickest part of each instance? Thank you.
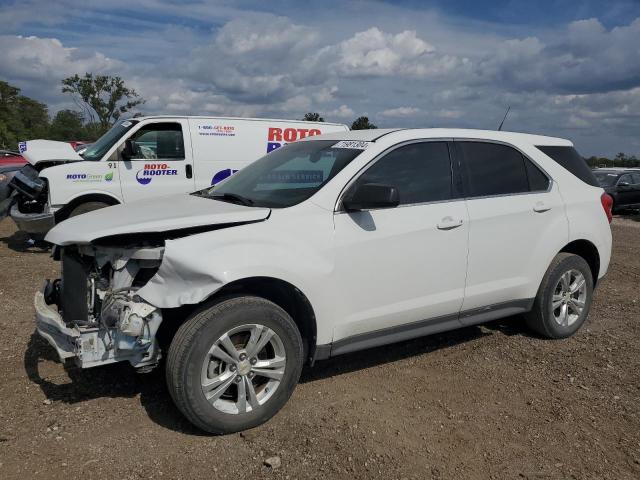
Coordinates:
(129, 150)
(371, 195)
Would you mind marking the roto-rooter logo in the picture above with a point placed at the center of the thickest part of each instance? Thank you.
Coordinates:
(278, 137)
(151, 170)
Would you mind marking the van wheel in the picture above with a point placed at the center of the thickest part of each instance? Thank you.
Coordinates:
(87, 207)
(564, 298)
(234, 365)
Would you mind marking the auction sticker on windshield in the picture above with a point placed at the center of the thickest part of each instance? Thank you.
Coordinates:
(352, 144)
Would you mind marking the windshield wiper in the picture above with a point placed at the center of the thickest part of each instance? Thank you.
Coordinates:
(233, 197)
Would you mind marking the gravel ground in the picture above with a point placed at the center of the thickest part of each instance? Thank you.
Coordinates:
(482, 402)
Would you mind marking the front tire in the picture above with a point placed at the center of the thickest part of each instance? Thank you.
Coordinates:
(234, 365)
(564, 297)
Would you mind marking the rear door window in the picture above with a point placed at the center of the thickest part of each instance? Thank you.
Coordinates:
(636, 178)
(493, 169)
(538, 180)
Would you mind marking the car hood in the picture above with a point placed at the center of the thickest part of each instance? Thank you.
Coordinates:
(36, 151)
(156, 215)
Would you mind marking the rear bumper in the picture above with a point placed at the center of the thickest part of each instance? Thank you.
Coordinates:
(50, 326)
(32, 222)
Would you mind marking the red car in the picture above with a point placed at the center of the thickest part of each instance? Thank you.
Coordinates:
(8, 158)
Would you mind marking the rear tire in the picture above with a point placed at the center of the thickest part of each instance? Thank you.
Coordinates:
(219, 379)
(87, 207)
(564, 297)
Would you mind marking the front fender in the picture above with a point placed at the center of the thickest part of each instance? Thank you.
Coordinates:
(195, 267)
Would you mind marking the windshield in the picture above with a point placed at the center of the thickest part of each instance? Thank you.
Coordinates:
(286, 176)
(96, 150)
(606, 179)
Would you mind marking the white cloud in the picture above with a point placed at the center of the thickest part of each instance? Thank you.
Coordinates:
(374, 52)
(583, 58)
(37, 58)
(341, 112)
(399, 112)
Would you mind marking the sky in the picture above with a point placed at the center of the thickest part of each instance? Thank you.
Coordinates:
(567, 68)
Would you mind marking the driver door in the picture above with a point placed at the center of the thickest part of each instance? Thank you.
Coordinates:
(161, 161)
(402, 269)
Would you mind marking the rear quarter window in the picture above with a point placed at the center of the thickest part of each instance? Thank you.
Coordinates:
(570, 159)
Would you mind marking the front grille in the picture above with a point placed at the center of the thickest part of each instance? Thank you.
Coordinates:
(74, 288)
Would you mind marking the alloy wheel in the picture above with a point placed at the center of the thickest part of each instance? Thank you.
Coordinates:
(569, 298)
(243, 368)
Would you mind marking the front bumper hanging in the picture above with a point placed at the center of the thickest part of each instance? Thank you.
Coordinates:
(32, 222)
(132, 339)
(50, 326)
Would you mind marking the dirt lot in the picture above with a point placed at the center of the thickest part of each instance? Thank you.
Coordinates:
(482, 402)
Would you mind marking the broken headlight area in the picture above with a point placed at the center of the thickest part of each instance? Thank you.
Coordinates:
(100, 318)
(32, 190)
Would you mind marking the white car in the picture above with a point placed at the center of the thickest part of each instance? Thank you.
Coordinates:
(329, 245)
(140, 158)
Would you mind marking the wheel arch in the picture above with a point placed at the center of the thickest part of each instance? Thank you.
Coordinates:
(65, 211)
(588, 251)
(287, 296)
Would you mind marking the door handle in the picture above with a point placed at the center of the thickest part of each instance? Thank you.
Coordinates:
(541, 207)
(189, 170)
(449, 223)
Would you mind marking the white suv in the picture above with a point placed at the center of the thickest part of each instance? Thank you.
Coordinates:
(329, 245)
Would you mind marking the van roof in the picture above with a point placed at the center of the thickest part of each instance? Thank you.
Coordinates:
(509, 137)
(153, 117)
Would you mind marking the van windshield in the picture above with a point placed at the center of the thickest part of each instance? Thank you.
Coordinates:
(286, 176)
(97, 150)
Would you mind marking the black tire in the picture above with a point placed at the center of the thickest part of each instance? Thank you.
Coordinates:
(87, 207)
(194, 339)
(541, 318)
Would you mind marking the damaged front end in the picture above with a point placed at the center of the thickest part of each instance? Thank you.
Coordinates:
(93, 314)
(29, 207)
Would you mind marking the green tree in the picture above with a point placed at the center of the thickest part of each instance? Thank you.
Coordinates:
(362, 123)
(34, 116)
(67, 125)
(103, 98)
(312, 117)
(21, 118)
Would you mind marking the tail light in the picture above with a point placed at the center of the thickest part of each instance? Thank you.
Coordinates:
(607, 204)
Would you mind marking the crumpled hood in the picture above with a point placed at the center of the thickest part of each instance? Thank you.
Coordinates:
(152, 215)
(36, 151)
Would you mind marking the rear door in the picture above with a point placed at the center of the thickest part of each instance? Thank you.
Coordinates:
(516, 218)
(162, 163)
(626, 190)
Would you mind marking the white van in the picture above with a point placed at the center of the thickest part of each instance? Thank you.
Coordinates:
(142, 158)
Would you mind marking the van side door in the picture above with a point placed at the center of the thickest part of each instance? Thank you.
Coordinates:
(162, 161)
(517, 223)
